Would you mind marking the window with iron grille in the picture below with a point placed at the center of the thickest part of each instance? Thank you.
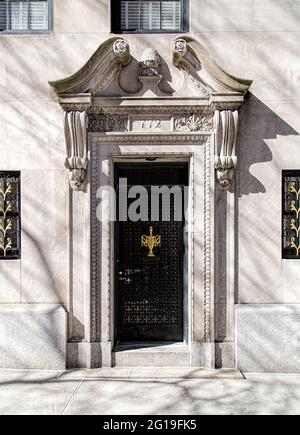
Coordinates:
(149, 16)
(25, 16)
(291, 214)
(10, 219)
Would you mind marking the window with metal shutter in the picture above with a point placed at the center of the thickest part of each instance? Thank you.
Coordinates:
(38, 15)
(170, 15)
(18, 15)
(151, 15)
(3, 23)
(24, 15)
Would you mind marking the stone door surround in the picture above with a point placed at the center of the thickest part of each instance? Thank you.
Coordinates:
(105, 123)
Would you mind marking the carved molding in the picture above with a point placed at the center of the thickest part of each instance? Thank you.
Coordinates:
(172, 108)
(75, 126)
(95, 296)
(153, 139)
(226, 124)
(207, 258)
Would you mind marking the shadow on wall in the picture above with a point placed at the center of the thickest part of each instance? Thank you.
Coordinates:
(257, 124)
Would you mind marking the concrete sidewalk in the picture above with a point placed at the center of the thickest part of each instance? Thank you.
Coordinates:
(147, 391)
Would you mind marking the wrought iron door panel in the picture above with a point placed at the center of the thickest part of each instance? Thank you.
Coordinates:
(149, 293)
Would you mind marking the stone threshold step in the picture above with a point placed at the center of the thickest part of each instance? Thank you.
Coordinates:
(150, 348)
(146, 373)
(172, 355)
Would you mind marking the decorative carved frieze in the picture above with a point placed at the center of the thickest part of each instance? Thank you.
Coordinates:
(185, 122)
(194, 122)
(101, 123)
(226, 124)
(75, 124)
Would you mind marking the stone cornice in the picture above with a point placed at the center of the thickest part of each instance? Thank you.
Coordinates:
(159, 105)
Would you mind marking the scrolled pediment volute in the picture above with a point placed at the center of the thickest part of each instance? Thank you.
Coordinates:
(190, 56)
(98, 72)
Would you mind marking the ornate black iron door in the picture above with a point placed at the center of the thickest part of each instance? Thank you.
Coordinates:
(149, 264)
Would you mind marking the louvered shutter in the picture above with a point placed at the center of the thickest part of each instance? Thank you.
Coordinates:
(3, 23)
(38, 15)
(151, 15)
(171, 15)
(24, 15)
(18, 14)
(130, 15)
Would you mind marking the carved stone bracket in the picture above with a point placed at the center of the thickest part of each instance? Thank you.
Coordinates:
(75, 124)
(226, 124)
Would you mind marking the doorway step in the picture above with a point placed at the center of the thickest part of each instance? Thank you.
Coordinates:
(152, 355)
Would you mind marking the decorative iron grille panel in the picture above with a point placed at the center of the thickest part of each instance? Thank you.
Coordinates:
(291, 215)
(150, 288)
(10, 243)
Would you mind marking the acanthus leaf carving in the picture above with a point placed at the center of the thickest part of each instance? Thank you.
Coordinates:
(75, 126)
(226, 123)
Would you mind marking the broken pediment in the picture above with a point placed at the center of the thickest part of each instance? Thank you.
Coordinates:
(133, 101)
(101, 69)
(113, 72)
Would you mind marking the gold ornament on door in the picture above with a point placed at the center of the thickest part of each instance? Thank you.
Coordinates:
(151, 242)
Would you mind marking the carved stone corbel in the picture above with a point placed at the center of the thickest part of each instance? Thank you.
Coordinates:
(226, 124)
(75, 124)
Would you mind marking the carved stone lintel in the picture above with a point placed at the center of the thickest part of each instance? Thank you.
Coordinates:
(226, 123)
(75, 124)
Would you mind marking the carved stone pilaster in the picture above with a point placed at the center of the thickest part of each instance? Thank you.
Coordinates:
(75, 124)
(226, 124)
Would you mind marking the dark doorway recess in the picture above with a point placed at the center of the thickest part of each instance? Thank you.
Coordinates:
(149, 258)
